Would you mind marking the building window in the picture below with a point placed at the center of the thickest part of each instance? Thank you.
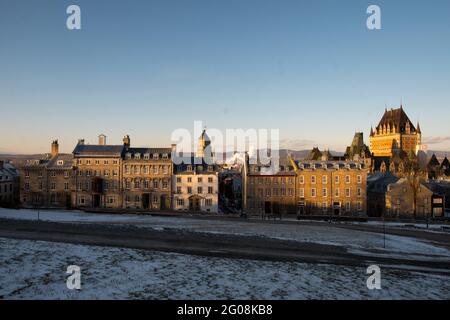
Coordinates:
(199, 190)
(347, 179)
(359, 192)
(165, 184)
(189, 179)
(301, 192)
(210, 180)
(324, 192)
(324, 179)
(359, 179)
(200, 179)
(301, 179)
(189, 190)
(210, 190)
(347, 206)
(178, 179)
(53, 186)
(336, 179)
(178, 190)
(359, 206)
(208, 202)
(313, 179)
(155, 184)
(180, 202)
(66, 186)
(313, 192)
(347, 192)
(336, 192)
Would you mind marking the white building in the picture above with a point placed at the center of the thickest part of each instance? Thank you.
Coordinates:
(196, 187)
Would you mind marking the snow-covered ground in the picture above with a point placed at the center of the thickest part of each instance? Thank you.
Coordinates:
(37, 270)
(360, 242)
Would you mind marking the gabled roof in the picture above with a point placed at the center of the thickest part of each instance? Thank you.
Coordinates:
(433, 161)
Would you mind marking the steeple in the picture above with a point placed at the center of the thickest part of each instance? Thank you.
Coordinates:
(371, 131)
(418, 128)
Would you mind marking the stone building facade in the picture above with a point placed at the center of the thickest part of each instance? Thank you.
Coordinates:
(147, 178)
(47, 182)
(98, 175)
(308, 188)
(9, 184)
(400, 200)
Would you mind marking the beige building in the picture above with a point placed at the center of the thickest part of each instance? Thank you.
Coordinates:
(395, 134)
(98, 175)
(400, 199)
(47, 182)
(147, 178)
(308, 188)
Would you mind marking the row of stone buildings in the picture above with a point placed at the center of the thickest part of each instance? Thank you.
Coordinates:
(117, 177)
(386, 179)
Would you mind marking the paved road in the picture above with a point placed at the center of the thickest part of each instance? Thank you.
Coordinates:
(182, 241)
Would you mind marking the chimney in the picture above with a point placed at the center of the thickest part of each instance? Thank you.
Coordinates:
(126, 141)
(55, 148)
(80, 141)
(102, 140)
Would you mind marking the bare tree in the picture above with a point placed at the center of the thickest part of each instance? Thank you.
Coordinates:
(414, 176)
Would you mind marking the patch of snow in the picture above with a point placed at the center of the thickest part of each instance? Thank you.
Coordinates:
(37, 270)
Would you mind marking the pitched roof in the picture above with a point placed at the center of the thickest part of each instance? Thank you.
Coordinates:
(397, 118)
(98, 150)
(433, 161)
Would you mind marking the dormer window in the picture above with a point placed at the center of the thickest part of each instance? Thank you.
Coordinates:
(137, 156)
(155, 156)
(165, 156)
(189, 168)
(128, 155)
(210, 168)
(146, 156)
(60, 162)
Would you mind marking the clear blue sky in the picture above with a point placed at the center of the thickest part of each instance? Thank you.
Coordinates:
(144, 68)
